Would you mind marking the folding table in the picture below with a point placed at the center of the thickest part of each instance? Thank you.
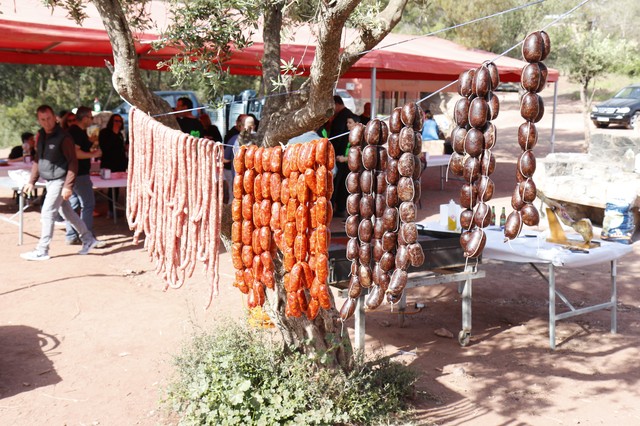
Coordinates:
(531, 247)
(441, 161)
(119, 181)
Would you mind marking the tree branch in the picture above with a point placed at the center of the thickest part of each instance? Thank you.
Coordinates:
(368, 38)
(313, 106)
(126, 78)
(271, 68)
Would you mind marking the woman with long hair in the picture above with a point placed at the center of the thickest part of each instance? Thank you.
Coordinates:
(67, 120)
(114, 154)
(210, 130)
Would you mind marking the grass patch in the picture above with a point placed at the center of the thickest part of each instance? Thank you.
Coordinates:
(244, 376)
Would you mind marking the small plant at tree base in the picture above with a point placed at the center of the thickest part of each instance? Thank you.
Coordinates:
(243, 376)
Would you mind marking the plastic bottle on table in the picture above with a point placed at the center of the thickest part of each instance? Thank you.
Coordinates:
(452, 222)
(26, 153)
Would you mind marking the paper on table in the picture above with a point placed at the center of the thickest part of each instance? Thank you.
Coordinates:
(444, 211)
(20, 177)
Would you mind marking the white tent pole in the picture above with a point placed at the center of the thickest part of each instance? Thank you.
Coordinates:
(374, 109)
(553, 117)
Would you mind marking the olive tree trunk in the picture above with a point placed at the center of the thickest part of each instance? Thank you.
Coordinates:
(127, 77)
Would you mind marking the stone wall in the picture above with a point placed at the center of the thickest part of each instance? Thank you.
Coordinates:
(606, 172)
(611, 147)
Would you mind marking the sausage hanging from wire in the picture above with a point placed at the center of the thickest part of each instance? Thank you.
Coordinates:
(174, 197)
(535, 49)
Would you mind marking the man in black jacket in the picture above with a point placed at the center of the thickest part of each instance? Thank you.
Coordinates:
(57, 164)
(186, 120)
(339, 136)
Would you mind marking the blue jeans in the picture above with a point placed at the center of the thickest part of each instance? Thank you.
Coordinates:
(84, 198)
(52, 205)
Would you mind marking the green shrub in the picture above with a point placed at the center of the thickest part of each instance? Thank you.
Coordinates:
(243, 376)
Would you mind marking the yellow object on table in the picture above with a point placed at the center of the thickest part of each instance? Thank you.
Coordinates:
(558, 236)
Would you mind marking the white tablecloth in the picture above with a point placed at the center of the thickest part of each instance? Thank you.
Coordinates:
(118, 180)
(532, 247)
(18, 165)
(438, 160)
(18, 178)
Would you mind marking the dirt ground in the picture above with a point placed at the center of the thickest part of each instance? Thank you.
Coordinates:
(88, 340)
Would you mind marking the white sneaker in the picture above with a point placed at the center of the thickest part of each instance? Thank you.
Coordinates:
(86, 247)
(35, 255)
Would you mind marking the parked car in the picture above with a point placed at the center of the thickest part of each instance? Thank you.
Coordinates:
(171, 96)
(623, 109)
(508, 87)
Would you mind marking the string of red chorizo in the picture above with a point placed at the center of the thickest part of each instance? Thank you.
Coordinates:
(281, 203)
(174, 199)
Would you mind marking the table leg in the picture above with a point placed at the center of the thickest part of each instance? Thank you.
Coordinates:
(113, 199)
(442, 177)
(402, 308)
(552, 307)
(20, 216)
(467, 294)
(360, 325)
(614, 297)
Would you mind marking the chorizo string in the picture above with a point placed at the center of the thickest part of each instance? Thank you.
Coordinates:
(403, 192)
(281, 203)
(473, 140)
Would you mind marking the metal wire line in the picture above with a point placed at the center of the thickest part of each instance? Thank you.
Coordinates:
(473, 21)
(555, 21)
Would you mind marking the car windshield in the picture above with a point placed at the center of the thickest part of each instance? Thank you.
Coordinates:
(629, 93)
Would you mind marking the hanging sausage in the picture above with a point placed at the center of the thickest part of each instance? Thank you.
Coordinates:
(281, 202)
(359, 255)
(535, 49)
(175, 199)
(473, 140)
(403, 173)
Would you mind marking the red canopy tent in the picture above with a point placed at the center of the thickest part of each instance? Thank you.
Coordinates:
(32, 34)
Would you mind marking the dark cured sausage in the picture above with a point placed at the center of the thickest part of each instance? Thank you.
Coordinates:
(535, 49)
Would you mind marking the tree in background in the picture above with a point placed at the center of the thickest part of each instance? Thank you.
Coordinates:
(598, 39)
(24, 87)
(588, 46)
(494, 35)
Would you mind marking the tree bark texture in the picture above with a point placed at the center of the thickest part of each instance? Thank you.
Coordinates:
(313, 105)
(127, 78)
